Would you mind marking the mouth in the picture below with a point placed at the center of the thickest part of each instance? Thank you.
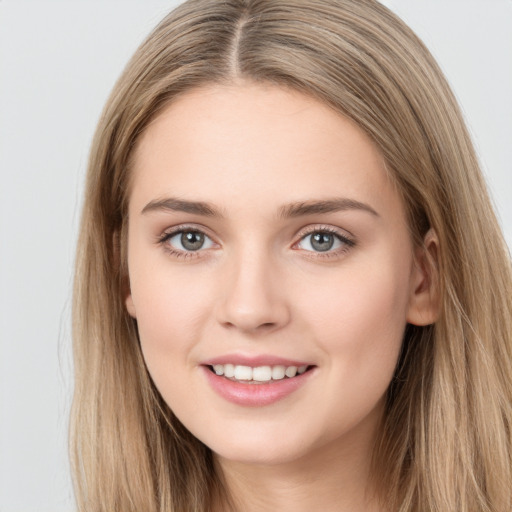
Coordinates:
(258, 374)
(256, 381)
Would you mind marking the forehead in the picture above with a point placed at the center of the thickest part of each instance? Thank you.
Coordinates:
(258, 146)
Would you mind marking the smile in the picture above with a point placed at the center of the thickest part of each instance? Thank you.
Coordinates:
(257, 374)
(257, 383)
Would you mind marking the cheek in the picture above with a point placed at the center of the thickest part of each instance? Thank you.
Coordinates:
(359, 321)
(171, 310)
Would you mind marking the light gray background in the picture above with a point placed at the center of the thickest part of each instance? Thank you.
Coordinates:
(58, 62)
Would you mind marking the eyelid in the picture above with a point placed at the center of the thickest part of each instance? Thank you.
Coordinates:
(345, 237)
(169, 233)
(314, 228)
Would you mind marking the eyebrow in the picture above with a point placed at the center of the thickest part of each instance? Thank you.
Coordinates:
(292, 210)
(181, 205)
(324, 206)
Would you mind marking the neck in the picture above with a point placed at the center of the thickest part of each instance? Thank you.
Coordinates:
(335, 477)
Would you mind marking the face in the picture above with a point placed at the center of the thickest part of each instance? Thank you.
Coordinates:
(271, 272)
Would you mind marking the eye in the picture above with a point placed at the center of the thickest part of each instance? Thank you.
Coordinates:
(187, 240)
(325, 241)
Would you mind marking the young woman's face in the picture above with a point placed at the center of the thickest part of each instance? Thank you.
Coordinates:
(265, 238)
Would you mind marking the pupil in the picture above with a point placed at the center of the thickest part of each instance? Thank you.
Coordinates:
(192, 240)
(322, 241)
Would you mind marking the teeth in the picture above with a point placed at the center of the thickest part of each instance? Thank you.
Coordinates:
(278, 372)
(243, 372)
(291, 371)
(229, 370)
(262, 373)
(259, 373)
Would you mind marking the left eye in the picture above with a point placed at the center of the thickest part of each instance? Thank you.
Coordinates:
(189, 241)
(321, 241)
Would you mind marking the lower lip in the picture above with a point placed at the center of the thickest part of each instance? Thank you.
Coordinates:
(254, 395)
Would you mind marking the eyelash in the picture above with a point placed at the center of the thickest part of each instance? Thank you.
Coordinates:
(347, 242)
(176, 231)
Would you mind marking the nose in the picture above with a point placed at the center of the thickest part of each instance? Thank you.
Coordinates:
(254, 295)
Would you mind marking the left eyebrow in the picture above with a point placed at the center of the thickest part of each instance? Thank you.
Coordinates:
(337, 204)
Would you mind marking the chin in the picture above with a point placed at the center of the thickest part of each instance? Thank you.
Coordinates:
(262, 445)
(256, 455)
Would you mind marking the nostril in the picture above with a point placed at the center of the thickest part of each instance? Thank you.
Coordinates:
(250, 326)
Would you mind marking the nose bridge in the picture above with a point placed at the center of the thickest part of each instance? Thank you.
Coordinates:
(254, 297)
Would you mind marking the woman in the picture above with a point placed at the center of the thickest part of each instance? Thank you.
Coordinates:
(291, 288)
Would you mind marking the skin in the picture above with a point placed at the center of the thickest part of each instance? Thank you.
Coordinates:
(258, 286)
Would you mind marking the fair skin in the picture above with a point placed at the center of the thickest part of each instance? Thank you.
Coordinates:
(258, 280)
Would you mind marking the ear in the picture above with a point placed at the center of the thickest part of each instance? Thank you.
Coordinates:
(424, 292)
(120, 263)
(130, 306)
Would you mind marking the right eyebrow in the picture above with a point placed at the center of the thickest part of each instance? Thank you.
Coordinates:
(181, 205)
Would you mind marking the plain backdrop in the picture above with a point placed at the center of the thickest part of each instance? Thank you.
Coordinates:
(58, 62)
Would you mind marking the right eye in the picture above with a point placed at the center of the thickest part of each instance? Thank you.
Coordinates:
(186, 241)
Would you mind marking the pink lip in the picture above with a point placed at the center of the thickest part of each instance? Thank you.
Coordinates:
(254, 395)
(253, 361)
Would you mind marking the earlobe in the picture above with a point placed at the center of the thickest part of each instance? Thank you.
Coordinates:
(119, 259)
(424, 292)
(130, 306)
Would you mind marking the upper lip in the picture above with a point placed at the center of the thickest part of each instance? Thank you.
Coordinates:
(254, 360)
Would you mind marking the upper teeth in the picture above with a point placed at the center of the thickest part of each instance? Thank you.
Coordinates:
(259, 373)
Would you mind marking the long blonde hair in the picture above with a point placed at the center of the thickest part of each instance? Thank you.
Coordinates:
(446, 436)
